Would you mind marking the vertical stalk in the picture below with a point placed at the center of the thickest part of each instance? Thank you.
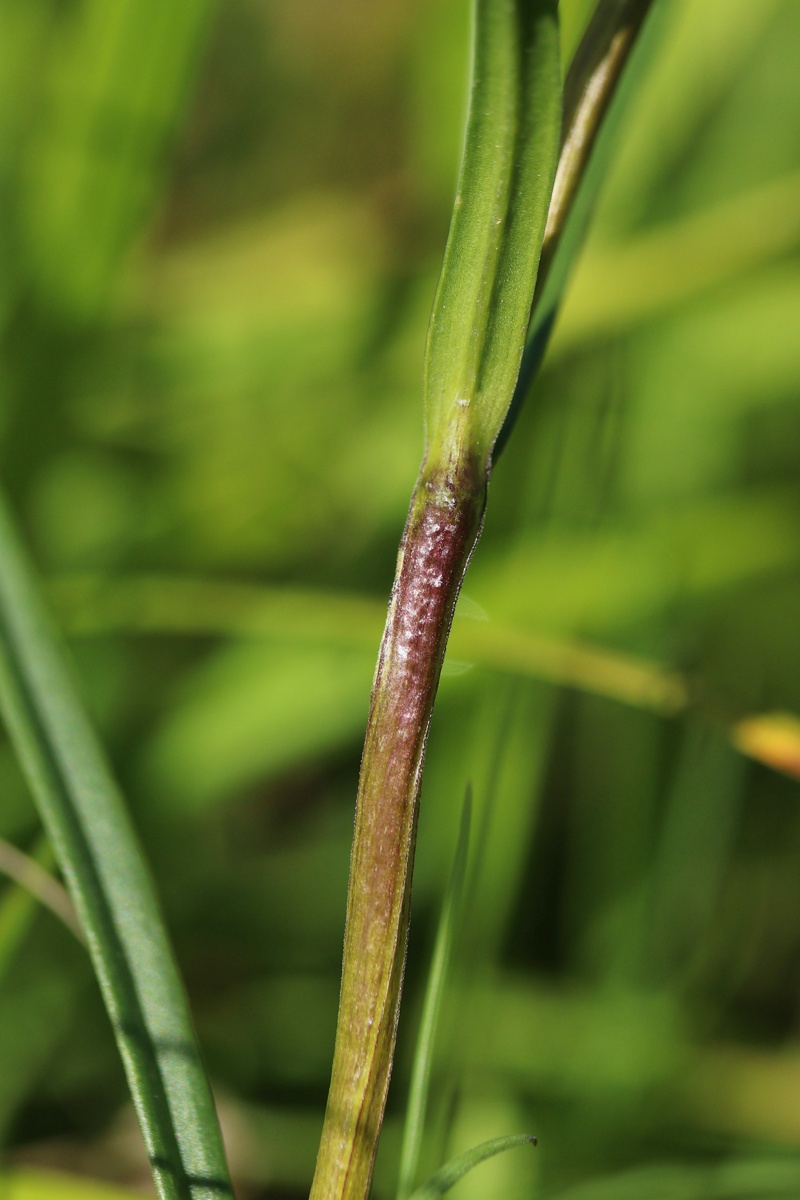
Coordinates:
(475, 343)
(441, 531)
(589, 88)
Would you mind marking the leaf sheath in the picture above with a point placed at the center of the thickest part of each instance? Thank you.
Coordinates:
(442, 528)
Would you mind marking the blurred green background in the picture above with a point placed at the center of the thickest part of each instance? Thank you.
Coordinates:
(220, 230)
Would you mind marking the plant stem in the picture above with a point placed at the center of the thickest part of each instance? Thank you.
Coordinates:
(30, 875)
(441, 531)
(475, 343)
(588, 91)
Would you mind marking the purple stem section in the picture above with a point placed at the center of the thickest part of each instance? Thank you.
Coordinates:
(442, 529)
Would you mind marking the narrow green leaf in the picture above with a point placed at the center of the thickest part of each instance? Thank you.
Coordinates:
(482, 306)
(96, 846)
(449, 922)
(456, 1168)
(164, 604)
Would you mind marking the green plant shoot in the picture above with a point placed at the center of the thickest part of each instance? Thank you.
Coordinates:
(477, 335)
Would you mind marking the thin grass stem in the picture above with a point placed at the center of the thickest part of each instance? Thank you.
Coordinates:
(28, 874)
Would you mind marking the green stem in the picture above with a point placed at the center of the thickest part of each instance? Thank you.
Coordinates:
(31, 876)
(475, 344)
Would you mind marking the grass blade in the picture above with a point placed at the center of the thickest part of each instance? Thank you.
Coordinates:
(456, 1168)
(423, 1058)
(97, 849)
(483, 302)
(151, 604)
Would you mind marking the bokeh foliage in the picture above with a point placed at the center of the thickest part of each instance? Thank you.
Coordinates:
(221, 227)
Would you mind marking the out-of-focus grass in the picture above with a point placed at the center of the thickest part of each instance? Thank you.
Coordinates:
(220, 230)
